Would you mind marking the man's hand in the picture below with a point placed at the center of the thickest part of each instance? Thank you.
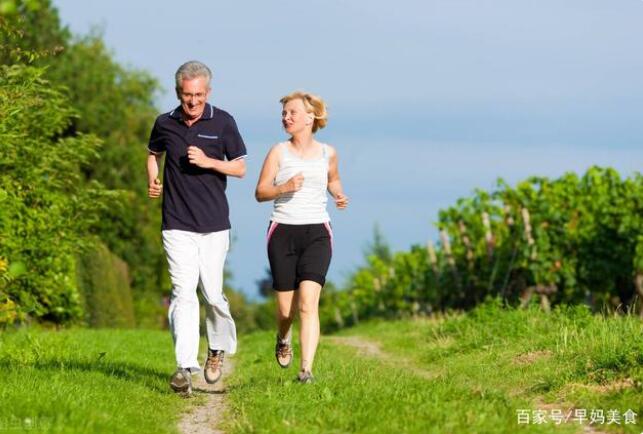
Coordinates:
(198, 158)
(155, 189)
(293, 184)
(341, 201)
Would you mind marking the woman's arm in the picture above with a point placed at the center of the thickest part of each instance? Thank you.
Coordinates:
(266, 188)
(334, 183)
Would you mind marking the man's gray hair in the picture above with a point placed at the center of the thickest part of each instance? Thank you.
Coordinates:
(190, 70)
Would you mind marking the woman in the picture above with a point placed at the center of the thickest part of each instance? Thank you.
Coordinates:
(296, 175)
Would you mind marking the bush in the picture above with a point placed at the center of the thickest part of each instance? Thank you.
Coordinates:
(571, 240)
(105, 288)
(46, 206)
(109, 101)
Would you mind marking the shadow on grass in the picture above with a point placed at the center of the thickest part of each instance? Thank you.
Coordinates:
(210, 392)
(153, 379)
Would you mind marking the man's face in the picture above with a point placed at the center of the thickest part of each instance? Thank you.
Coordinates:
(193, 95)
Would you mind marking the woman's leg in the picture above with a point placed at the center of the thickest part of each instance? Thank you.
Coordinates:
(309, 292)
(286, 305)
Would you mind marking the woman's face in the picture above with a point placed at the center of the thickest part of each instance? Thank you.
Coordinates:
(295, 118)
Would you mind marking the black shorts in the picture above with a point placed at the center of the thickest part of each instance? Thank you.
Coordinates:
(297, 253)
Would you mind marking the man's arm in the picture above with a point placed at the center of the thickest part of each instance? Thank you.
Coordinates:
(236, 168)
(154, 186)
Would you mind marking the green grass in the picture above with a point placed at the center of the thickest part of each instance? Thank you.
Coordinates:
(59, 382)
(465, 373)
(460, 373)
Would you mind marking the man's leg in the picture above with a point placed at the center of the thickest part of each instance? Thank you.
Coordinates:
(182, 255)
(220, 327)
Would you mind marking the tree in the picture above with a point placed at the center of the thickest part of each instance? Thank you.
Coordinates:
(379, 247)
(46, 207)
(113, 103)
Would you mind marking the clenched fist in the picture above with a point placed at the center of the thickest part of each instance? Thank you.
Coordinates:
(341, 201)
(198, 157)
(293, 184)
(155, 189)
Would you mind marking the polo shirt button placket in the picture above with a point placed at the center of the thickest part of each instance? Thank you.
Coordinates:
(190, 137)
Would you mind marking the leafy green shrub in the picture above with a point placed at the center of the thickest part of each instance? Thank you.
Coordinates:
(115, 104)
(570, 240)
(47, 208)
(105, 288)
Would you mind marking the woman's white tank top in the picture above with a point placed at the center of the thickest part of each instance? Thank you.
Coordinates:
(308, 205)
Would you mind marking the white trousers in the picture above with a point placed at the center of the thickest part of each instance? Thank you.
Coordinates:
(196, 260)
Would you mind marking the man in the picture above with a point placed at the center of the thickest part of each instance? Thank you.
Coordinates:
(202, 146)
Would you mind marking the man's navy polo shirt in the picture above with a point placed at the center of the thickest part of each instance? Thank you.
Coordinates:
(194, 198)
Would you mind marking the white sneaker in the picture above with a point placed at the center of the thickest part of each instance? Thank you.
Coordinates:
(213, 366)
(181, 381)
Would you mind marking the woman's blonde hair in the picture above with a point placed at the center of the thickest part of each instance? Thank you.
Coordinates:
(313, 104)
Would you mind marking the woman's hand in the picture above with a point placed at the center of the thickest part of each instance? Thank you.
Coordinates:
(293, 184)
(341, 201)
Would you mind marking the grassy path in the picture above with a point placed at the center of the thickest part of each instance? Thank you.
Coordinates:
(357, 394)
(460, 374)
(208, 414)
(472, 373)
(367, 348)
(568, 361)
(370, 348)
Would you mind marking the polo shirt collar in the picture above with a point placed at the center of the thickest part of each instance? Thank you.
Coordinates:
(208, 112)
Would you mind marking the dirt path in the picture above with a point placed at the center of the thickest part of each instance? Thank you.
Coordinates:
(206, 417)
(369, 348)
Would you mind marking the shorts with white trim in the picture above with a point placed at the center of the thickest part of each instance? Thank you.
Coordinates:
(297, 253)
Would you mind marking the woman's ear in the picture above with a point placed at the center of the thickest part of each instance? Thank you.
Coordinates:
(310, 118)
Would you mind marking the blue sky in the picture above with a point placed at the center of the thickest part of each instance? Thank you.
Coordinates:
(428, 99)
